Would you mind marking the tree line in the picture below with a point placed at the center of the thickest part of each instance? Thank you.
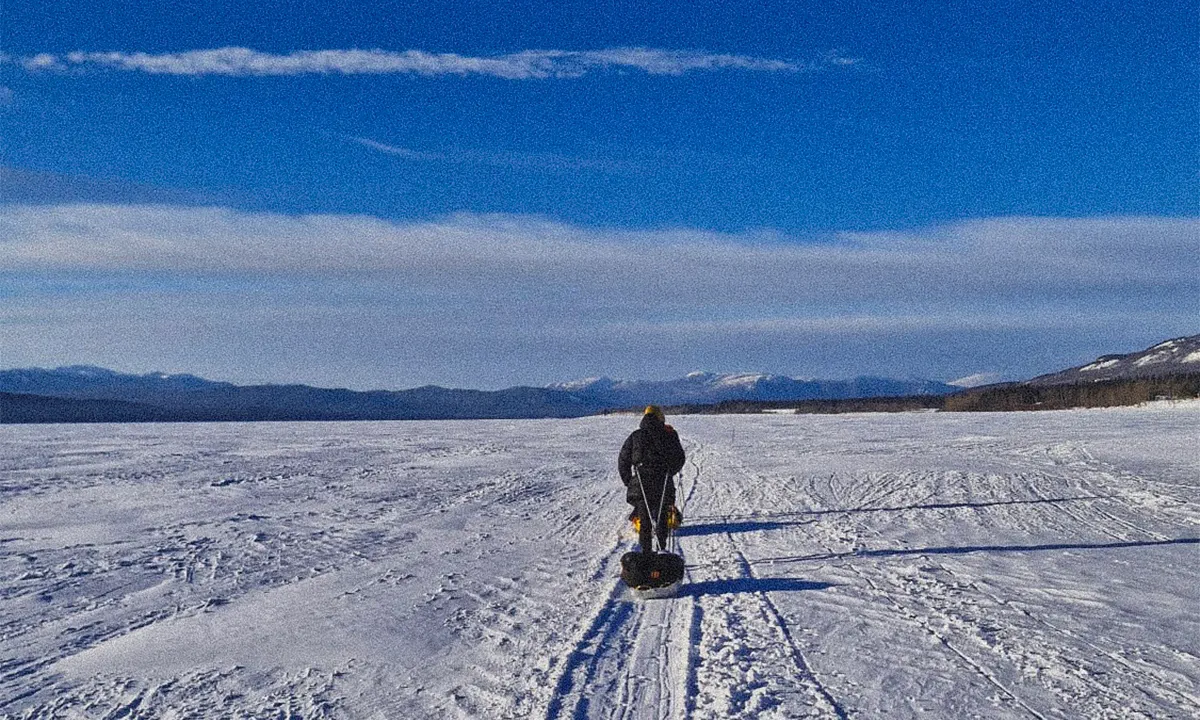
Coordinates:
(993, 398)
(1105, 393)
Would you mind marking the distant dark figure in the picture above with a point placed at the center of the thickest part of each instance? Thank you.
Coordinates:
(654, 454)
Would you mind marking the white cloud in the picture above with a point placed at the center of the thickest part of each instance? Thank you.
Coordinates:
(42, 61)
(1005, 259)
(446, 297)
(527, 64)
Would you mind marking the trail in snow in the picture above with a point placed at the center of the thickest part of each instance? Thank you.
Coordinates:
(634, 660)
(991, 566)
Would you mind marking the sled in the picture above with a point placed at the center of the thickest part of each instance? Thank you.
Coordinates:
(651, 576)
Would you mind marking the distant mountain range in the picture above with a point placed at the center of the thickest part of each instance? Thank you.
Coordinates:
(706, 388)
(188, 398)
(1180, 356)
(85, 393)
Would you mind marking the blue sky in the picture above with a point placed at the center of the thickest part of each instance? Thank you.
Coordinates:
(389, 194)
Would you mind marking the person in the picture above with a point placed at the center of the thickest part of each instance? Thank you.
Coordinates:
(654, 454)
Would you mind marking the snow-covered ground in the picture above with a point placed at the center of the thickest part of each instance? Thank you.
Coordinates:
(1023, 565)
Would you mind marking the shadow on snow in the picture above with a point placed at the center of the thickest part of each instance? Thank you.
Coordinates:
(714, 524)
(947, 550)
(749, 585)
(737, 526)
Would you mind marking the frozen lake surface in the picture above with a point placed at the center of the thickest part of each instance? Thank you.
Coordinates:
(1023, 565)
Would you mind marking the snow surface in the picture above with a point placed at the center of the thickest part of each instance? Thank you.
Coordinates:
(1023, 565)
(977, 379)
(1151, 359)
(748, 380)
(1100, 365)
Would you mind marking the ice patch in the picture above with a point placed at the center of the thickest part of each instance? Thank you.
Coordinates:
(1191, 357)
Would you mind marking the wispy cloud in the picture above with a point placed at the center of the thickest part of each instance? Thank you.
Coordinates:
(527, 64)
(41, 61)
(397, 151)
(553, 162)
(444, 297)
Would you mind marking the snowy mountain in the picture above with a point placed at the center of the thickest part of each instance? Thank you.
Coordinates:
(708, 388)
(88, 382)
(86, 393)
(1179, 356)
(187, 397)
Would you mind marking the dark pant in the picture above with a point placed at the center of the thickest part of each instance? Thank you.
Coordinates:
(646, 533)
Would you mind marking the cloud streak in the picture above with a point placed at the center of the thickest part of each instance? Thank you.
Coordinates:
(400, 152)
(524, 65)
(1003, 257)
(1019, 267)
(446, 297)
(551, 162)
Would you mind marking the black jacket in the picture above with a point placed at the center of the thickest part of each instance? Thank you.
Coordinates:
(654, 448)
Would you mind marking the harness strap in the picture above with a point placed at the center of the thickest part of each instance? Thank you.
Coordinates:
(662, 498)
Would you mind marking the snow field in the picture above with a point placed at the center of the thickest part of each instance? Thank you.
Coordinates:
(1024, 565)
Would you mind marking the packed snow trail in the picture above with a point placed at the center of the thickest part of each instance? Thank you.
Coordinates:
(1024, 565)
(634, 661)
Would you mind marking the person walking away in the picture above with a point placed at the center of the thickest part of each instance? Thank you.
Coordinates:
(653, 454)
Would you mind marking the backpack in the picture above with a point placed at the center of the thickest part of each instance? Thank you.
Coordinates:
(650, 450)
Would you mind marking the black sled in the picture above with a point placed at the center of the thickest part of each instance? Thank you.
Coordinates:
(652, 575)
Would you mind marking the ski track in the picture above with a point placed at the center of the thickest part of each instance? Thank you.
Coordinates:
(634, 660)
(1024, 565)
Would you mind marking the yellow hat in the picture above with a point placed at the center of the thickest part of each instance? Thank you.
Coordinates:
(656, 411)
